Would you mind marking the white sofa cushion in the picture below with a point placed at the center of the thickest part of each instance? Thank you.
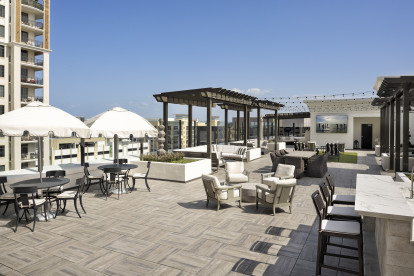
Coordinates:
(337, 226)
(285, 171)
(237, 177)
(342, 211)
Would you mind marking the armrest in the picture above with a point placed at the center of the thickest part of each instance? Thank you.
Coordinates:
(236, 186)
(258, 187)
(246, 172)
(265, 175)
(286, 177)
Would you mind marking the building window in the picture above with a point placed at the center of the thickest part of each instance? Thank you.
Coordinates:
(1, 91)
(2, 168)
(25, 17)
(2, 71)
(25, 93)
(1, 109)
(25, 149)
(2, 11)
(2, 151)
(1, 31)
(25, 55)
(1, 51)
(24, 73)
(25, 36)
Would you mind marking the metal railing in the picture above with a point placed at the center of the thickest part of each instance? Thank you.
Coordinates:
(30, 155)
(32, 80)
(33, 3)
(32, 23)
(31, 42)
(26, 100)
(33, 61)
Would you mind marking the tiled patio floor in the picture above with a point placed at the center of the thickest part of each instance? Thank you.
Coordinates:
(169, 231)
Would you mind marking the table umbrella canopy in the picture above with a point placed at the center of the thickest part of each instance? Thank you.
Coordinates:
(39, 119)
(121, 122)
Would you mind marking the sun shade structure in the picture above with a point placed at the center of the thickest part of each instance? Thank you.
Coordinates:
(120, 123)
(209, 97)
(396, 93)
(39, 119)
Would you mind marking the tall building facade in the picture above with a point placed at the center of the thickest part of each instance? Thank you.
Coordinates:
(24, 72)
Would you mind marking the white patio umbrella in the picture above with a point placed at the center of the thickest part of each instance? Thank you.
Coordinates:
(120, 123)
(40, 119)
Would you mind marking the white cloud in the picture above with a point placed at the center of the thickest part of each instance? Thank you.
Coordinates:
(237, 90)
(257, 91)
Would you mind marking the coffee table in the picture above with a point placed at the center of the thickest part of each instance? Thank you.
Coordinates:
(249, 192)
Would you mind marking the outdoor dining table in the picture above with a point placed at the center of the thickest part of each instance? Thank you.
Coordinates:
(122, 167)
(304, 154)
(45, 183)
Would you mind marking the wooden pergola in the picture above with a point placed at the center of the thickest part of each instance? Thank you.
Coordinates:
(209, 97)
(394, 93)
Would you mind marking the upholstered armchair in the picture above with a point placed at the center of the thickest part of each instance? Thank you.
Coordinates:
(235, 172)
(278, 195)
(219, 192)
(283, 172)
(217, 159)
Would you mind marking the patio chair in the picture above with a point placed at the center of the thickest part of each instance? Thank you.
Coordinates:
(136, 176)
(219, 192)
(317, 165)
(4, 195)
(217, 159)
(276, 160)
(92, 179)
(26, 198)
(299, 164)
(283, 172)
(336, 228)
(235, 172)
(72, 195)
(51, 193)
(339, 199)
(280, 194)
(113, 178)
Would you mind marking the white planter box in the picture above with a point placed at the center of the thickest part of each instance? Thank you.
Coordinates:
(173, 171)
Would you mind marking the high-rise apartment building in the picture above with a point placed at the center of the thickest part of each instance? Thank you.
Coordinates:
(24, 72)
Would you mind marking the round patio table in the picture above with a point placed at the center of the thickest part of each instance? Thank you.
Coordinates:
(122, 167)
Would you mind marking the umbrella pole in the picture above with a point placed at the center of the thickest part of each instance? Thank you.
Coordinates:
(116, 151)
(39, 157)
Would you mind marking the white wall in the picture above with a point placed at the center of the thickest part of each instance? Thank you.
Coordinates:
(375, 121)
(349, 137)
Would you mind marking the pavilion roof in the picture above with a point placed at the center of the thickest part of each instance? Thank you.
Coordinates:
(389, 86)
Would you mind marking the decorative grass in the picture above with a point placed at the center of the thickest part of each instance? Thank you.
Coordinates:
(172, 157)
(344, 157)
(184, 161)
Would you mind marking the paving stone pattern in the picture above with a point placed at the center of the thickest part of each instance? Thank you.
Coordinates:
(169, 231)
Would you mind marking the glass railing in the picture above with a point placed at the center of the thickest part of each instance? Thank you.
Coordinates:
(32, 23)
(31, 42)
(32, 80)
(33, 61)
(33, 3)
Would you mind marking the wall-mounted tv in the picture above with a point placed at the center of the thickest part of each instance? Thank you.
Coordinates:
(331, 123)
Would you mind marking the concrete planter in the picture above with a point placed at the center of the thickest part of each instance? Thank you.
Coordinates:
(173, 171)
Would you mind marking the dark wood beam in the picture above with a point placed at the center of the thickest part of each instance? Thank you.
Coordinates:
(165, 119)
(209, 104)
(190, 126)
(226, 126)
(392, 132)
(397, 133)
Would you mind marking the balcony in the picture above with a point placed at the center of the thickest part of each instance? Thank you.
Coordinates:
(29, 156)
(33, 3)
(38, 81)
(33, 24)
(29, 139)
(35, 43)
(32, 61)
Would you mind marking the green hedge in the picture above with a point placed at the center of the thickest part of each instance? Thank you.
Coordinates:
(168, 157)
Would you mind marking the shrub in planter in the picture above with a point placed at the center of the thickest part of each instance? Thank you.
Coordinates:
(168, 157)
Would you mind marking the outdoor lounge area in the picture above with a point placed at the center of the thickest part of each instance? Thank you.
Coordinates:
(170, 231)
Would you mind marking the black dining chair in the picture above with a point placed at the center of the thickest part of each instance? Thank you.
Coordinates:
(112, 178)
(26, 198)
(92, 179)
(4, 195)
(72, 195)
(136, 176)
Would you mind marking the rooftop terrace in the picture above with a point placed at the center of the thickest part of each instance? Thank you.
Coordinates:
(169, 231)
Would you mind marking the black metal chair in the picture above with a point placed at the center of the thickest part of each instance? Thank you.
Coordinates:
(112, 178)
(52, 192)
(136, 176)
(339, 199)
(26, 198)
(336, 228)
(91, 179)
(72, 195)
(4, 195)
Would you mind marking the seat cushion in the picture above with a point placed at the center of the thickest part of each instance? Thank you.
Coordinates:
(138, 175)
(269, 180)
(269, 197)
(95, 176)
(234, 167)
(342, 211)
(341, 227)
(7, 196)
(37, 201)
(67, 194)
(224, 195)
(344, 198)
(285, 171)
(237, 177)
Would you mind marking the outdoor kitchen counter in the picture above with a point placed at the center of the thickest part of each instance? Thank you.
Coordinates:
(380, 197)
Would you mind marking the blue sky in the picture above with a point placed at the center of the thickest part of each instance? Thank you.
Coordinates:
(119, 53)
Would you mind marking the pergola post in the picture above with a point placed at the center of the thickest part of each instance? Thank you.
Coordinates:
(276, 130)
(195, 133)
(397, 133)
(387, 127)
(382, 129)
(165, 119)
(209, 102)
(190, 125)
(392, 129)
(238, 126)
(248, 125)
(259, 127)
(267, 128)
(180, 133)
(246, 121)
(406, 127)
(226, 128)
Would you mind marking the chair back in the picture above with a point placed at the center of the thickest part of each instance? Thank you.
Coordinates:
(26, 194)
(319, 205)
(80, 183)
(148, 169)
(325, 193)
(285, 171)
(3, 179)
(56, 173)
(235, 167)
(284, 193)
(85, 169)
(112, 172)
(330, 182)
(210, 183)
